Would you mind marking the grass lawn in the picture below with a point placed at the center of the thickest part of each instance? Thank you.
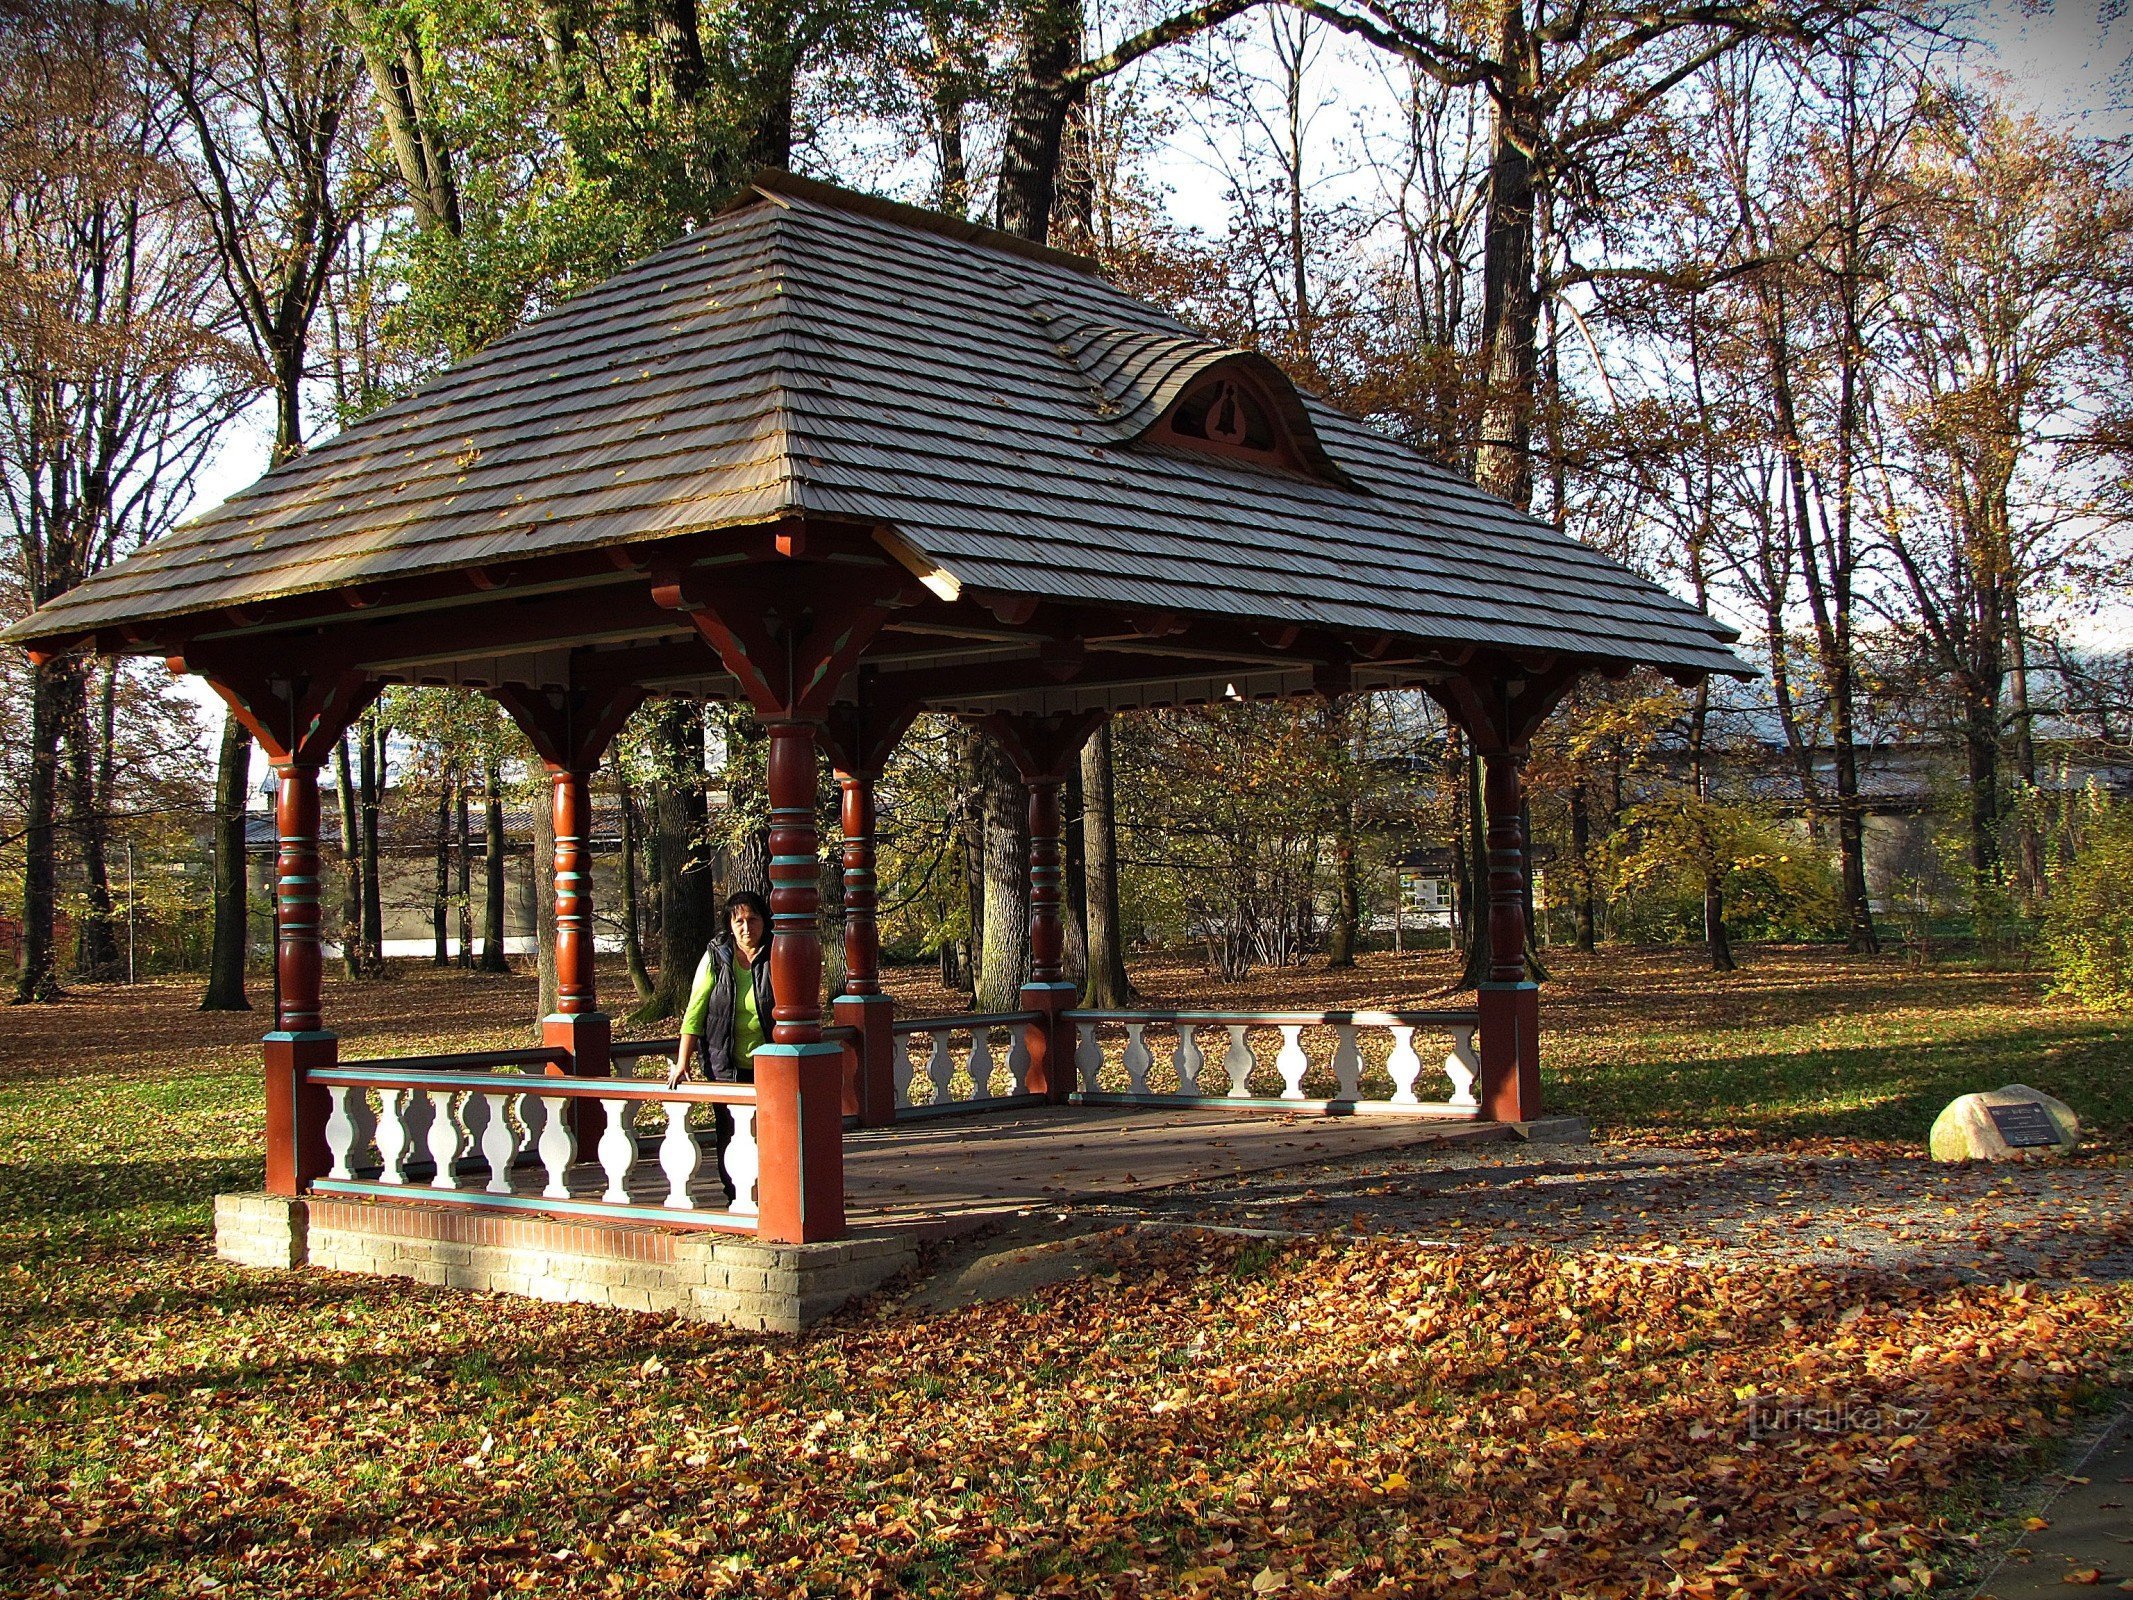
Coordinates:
(1210, 1414)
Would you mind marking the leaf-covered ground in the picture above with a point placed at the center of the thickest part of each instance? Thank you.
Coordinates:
(1584, 1395)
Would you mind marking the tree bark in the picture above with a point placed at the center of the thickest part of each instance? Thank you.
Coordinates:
(37, 978)
(372, 779)
(1503, 454)
(632, 917)
(1074, 905)
(493, 958)
(1003, 962)
(1344, 936)
(686, 890)
(1581, 858)
(1106, 986)
(465, 896)
(441, 901)
(351, 863)
(225, 962)
(96, 953)
(1037, 106)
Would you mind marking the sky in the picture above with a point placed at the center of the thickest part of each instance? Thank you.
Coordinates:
(2070, 63)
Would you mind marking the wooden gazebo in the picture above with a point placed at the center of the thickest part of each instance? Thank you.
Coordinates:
(849, 461)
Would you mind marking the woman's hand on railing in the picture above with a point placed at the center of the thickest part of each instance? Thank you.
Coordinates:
(684, 1054)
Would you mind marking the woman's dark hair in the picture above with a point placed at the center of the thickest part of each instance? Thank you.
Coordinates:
(747, 900)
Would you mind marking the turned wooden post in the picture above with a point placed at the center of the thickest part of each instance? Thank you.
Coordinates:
(575, 985)
(1509, 1004)
(799, 1096)
(296, 1109)
(1047, 934)
(870, 1087)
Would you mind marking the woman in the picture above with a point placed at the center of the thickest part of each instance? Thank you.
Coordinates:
(728, 1016)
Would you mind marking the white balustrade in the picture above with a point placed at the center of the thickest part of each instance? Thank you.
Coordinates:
(679, 1155)
(1463, 1067)
(618, 1151)
(1338, 1060)
(350, 1126)
(1138, 1060)
(1292, 1063)
(954, 1062)
(1088, 1058)
(499, 1145)
(559, 1145)
(1239, 1063)
(744, 1163)
(392, 1135)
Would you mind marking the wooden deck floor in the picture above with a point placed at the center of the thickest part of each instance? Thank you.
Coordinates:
(959, 1171)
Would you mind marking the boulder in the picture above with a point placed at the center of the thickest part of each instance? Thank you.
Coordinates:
(1967, 1131)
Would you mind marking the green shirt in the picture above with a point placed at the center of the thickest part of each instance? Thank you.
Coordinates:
(749, 1034)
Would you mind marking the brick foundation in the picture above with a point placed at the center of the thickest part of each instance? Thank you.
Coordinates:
(710, 1277)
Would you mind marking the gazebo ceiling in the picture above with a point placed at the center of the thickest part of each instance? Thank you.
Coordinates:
(1082, 503)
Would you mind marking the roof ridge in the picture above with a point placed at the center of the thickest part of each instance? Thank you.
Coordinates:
(774, 182)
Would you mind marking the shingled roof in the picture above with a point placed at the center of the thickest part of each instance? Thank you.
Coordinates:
(817, 354)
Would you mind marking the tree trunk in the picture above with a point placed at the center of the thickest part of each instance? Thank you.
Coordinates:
(1003, 963)
(2029, 846)
(492, 883)
(1981, 743)
(441, 902)
(1476, 971)
(372, 746)
(225, 962)
(38, 978)
(632, 922)
(1503, 455)
(1581, 859)
(96, 953)
(466, 877)
(1037, 106)
(1106, 986)
(351, 864)
(686, 890)
(1346, 933)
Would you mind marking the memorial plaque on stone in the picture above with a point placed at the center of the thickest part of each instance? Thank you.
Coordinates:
(2024, 1125)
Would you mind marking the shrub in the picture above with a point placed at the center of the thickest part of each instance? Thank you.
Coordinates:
(2088, 929)
(1777, 884)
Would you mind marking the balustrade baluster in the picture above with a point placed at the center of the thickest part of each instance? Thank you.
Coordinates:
(348, 1128)
(900, 1070)
(420, 1115)
(981, 1063)
(1018, 1059)
(1239, 1063)
(446, 1137)
(1088, 1056)
(1405, 1067)
(1462, 1066)
(743, 1161)
(1138, 1059)
(679, 1154)
(393, 1140)
(618, 1151)
(1292, 1063)
(1187, 1061)
(532, 1113)
(1347, 1065)
(499, 1145)
(559, 1146)
(940, 1067)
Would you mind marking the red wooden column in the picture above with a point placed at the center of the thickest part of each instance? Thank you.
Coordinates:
(577, 1023)
(859, 740)
(792, 633)
(799, 1089)
(1041, 748)
(297, 717)
(1500, 711)
(1509, 1002)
